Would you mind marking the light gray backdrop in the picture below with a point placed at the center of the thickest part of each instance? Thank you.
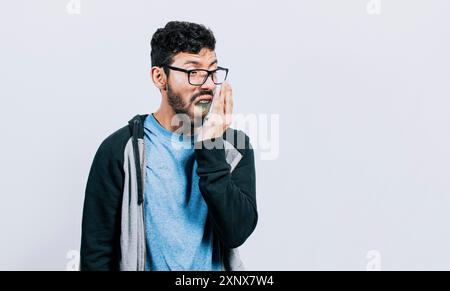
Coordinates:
(362, 179)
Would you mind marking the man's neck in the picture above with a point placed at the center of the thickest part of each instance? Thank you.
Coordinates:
(168, 119)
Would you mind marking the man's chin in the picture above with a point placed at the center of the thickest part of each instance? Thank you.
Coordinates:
(201, 110)
(193, 116)
(197, 119)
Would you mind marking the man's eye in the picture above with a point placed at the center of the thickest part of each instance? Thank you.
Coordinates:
(193, 73)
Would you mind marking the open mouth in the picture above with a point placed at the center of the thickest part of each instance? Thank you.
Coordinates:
(204, 102)
(204, 99)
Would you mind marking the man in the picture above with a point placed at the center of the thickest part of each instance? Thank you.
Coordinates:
(175, 189)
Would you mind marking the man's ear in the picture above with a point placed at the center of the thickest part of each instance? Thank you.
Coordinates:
(159, 78)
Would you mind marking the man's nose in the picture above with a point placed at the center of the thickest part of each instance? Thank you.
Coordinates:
(209, 84)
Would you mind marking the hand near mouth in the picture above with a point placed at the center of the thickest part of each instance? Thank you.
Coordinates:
(220, 116)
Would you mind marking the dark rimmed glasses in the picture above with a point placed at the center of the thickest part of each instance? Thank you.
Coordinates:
(198, 77)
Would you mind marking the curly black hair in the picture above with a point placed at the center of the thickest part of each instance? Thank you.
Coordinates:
(179, 36)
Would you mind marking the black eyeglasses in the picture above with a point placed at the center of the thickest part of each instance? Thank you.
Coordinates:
(198, 77)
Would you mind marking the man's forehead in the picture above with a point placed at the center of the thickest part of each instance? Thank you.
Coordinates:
(205, 56)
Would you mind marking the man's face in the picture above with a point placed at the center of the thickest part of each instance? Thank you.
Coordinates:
(184, 97)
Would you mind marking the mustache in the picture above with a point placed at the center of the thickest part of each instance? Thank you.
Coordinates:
(204, 92)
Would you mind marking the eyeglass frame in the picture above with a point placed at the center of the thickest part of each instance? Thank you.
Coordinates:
(188, 72)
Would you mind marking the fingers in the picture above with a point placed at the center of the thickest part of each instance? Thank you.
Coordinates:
(229, 100)
(219, 100)
(222, 108)
(228, 106)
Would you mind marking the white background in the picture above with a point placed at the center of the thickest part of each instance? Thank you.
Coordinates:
(363, 103)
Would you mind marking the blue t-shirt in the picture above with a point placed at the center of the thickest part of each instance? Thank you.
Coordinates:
(178, 234)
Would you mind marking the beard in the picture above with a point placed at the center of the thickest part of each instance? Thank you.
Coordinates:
(196, 113)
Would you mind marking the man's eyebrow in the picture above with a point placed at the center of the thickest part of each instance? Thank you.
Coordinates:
(214, 62)
(197, 63)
